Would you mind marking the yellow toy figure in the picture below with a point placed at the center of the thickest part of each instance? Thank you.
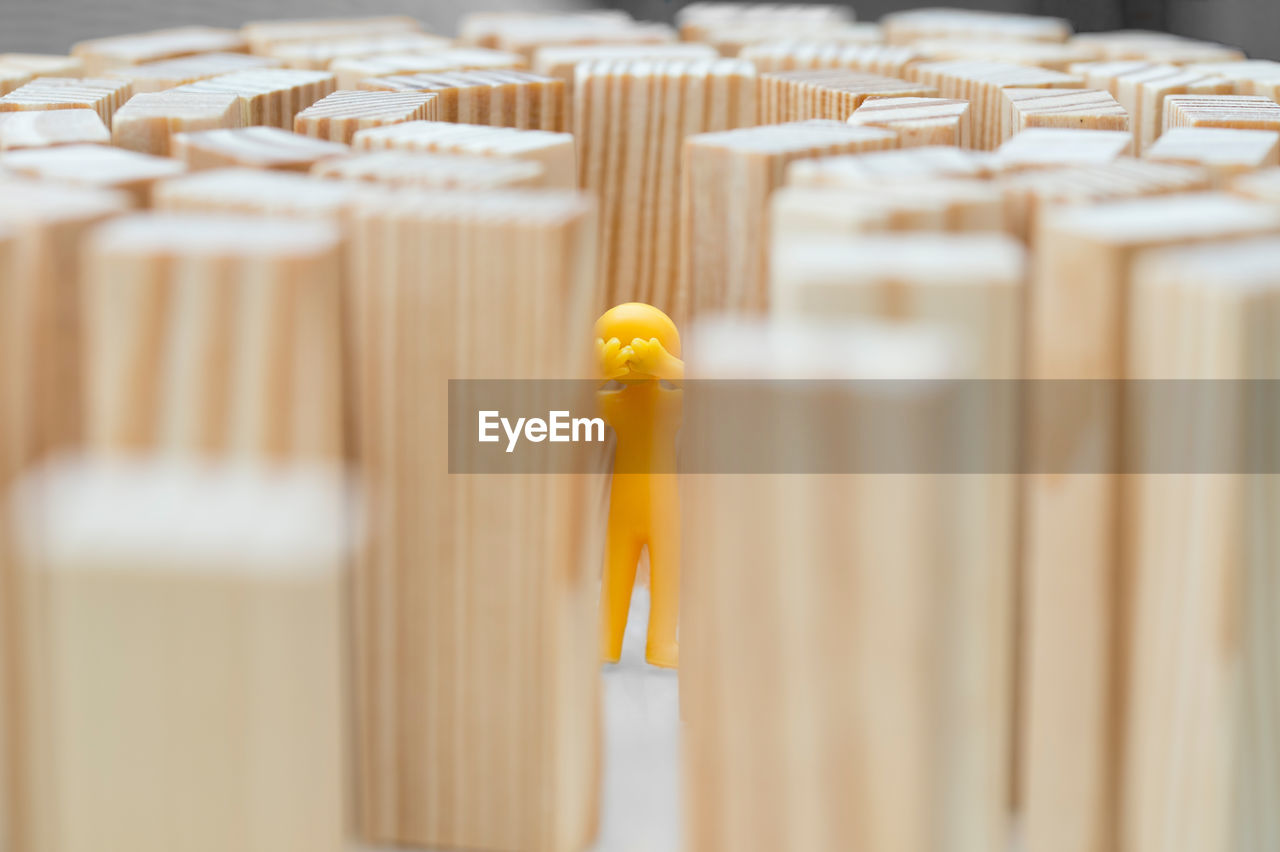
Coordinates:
(639, 349)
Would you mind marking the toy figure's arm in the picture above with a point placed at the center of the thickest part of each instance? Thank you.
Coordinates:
(652, 358)
(613, 358)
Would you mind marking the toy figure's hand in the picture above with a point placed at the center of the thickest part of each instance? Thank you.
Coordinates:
(648, 356)
(613, 358)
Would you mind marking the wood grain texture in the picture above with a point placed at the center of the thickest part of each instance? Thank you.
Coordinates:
(560, 61)
(1224, 152)
(913, 204)
(214, 336)
(1052, 148)
(830, 93)
(254, 147)
(798, 54)
(933, 161)
(262, 36)
(1079, 583)
(213, 640)
(915, 24)
(352, 71)
(1249, 76)
(728, 178)
(520, 736)
(1066, 109)
(501, 98)
(41, 129)
(339, 116)
(433, 171)
(99, 54)
(12, 78)
(256, 192)
(97, 166)
(1241, 112)
(1052, 55)
(630, 123)
(101, 95)
(171, 73)
(918, 121)
(147, 121)
(269, 96)
(320, 55)
(1141, 88)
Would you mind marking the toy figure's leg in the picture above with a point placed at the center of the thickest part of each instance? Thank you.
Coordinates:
(662, 648)
(622, 552)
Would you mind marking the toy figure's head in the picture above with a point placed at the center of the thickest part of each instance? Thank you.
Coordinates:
(636, 319)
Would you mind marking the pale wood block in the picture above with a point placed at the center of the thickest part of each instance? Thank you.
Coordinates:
(102, 95)
(171, 73)
(148, 121)
(43, 64)
(630, 123)
(934, 161)
(256, 192)
(916, 204)
(214, 335)
(1224, 152)
(481, 29)
(1102, 74)
(97, 166)
(1249, 77)
(728, 178)
(1076, 607)
(352, 71)
(186, 653)
(731, 39)
(1052, 55)
(43, 128)
(916, 24)
(1242, 112)
(1263, 185)
(981, 84)
(528, 36)
(1142, 88)
(1049, 148)
(254, 147)
(554, 151)
(270, 96)
(339, 116)
(12, 78)
(1153, 47)
(523, 550)
(501, 98)
(816, 52)
(917, 121)
(320, 55)
(698, 20)
(559, 61)
(434, 171)
(99, 54)
(1062, 109)
(264, 35)
(832, 93)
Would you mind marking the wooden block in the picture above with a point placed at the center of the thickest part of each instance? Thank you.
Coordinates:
(1249, 77)
(1048, 148)
(433, 171)
(269, 96)
(214, 336)
(171, 73)
(320, 55)
(981, 84)
(502, 98)
(630, 123)
(560, 61)
(528, 36)
(202, 612)
(728, 178)
(351, 72)
(916, 24)
(254, 147)
(339, 116)
(1263, 185)
(554, 151)
(1052, 55)
(697, 20)
(797, 54)
(918, 121)
(1075, 677)
(96, 166)
(832, 93)
(935, 161)
(256, 192)
(43, 64)
(12, 78)
(43, 128)
(1150, 46)
(525, 555)
(732, 38)
(799, 213)
(262, 36)
(147, 121)
(1062, 109)
(1242, 112)
(1142, 88)
(1226, 153)
(101, 95)
(99, 54)
(482, 29)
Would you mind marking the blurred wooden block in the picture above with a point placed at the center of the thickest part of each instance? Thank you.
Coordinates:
(264, 35)
(1049, 148)
(43, 128)
(254, 147)
(560, 61)
(188, 646)
(101, 95)
(732, 38)
(1076, 521)
(799, 213)
(1263, 185)
(1141, 89)
(981, 84)
(915, 24)
(832, 93)
(728, 178)
(97, 166)
(99, 54)
(12, 78)
(269, 96)
(1242, 112)
(934, 161)
(43, 64)
(554, 151)
(1224, 152)
(483, 29)
(320, 55)
(214, 336)
(147, 121)
(256, 192)
(1052, 55)
(351, 72)
(501, 98)
(526, 555)
(527, 37)
(1148, 46)
(917, 121)
(1249, 76)
(630, 123)
(171, 73)
(339, 116)
(797, 54)
(698, 20)
(433, 171)
(1063, 109)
